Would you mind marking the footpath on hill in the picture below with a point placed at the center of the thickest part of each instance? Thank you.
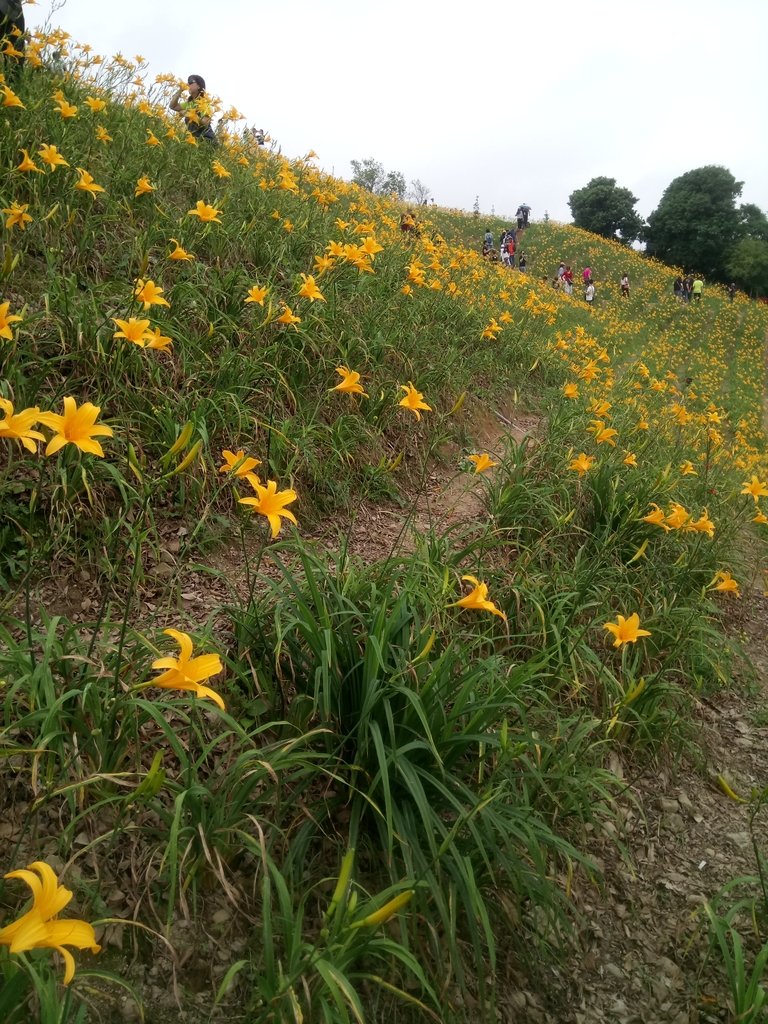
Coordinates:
(642, 947)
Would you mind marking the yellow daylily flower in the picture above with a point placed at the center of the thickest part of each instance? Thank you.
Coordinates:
(150, 294)
(755, 487)
(723, 581)
(17, 426)
(51, 156)
(17, 216)
(86, 183)
(39, 927)
(27, 164)
(179, 253)
(238, 463)
(6, 320)
(482, 462)
(582, 463)
(186, 672)
(350, 382)
(413, 400)
(75, 426)
(309, 289)
(626, 631)
(132, 329)
(270, 502)
(207, 214)
(477, 599)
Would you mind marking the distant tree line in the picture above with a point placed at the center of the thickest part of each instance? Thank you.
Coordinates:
(370, 174)
(697, 225)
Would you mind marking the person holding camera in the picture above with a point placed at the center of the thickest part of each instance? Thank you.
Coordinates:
(195, 110)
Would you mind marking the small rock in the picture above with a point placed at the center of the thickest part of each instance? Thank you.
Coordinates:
(684, 800)
(740, 839)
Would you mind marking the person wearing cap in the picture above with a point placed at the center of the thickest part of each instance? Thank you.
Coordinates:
(195, 110)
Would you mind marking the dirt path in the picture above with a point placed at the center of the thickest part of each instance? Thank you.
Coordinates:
(644, 938)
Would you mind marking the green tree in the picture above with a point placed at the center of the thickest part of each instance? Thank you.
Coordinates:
(748, 265)
(696, 225)
(368, 173)
(754, 223)
(393, 184)
(604, 208)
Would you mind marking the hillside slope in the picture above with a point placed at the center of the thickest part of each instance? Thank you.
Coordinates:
(302, 777)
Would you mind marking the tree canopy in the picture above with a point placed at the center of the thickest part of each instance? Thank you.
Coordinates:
(697, 224)
(748, 265)
(604, 208)
(370, 174)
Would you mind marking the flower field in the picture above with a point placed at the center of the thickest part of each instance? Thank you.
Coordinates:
(344, 782)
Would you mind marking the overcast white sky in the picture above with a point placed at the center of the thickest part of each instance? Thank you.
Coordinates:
(512, 101)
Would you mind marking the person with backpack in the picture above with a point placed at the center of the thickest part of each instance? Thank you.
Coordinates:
(488, 240)
(510, 247)
(195, 110)
(12, 32)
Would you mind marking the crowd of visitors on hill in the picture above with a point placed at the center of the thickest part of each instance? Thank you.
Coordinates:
(197, 116)
(689, 287)
(508, 252)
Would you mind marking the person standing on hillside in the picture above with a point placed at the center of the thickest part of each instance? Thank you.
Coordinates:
(488, 239)
(731, 289)
(523, 263)
(510, 247)
(697, 288)
(589, 294)
(568, 281)
(677, 288)
(586, 275)
(520, 218)
(195, 110)
(625, 285)
(687, 287)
